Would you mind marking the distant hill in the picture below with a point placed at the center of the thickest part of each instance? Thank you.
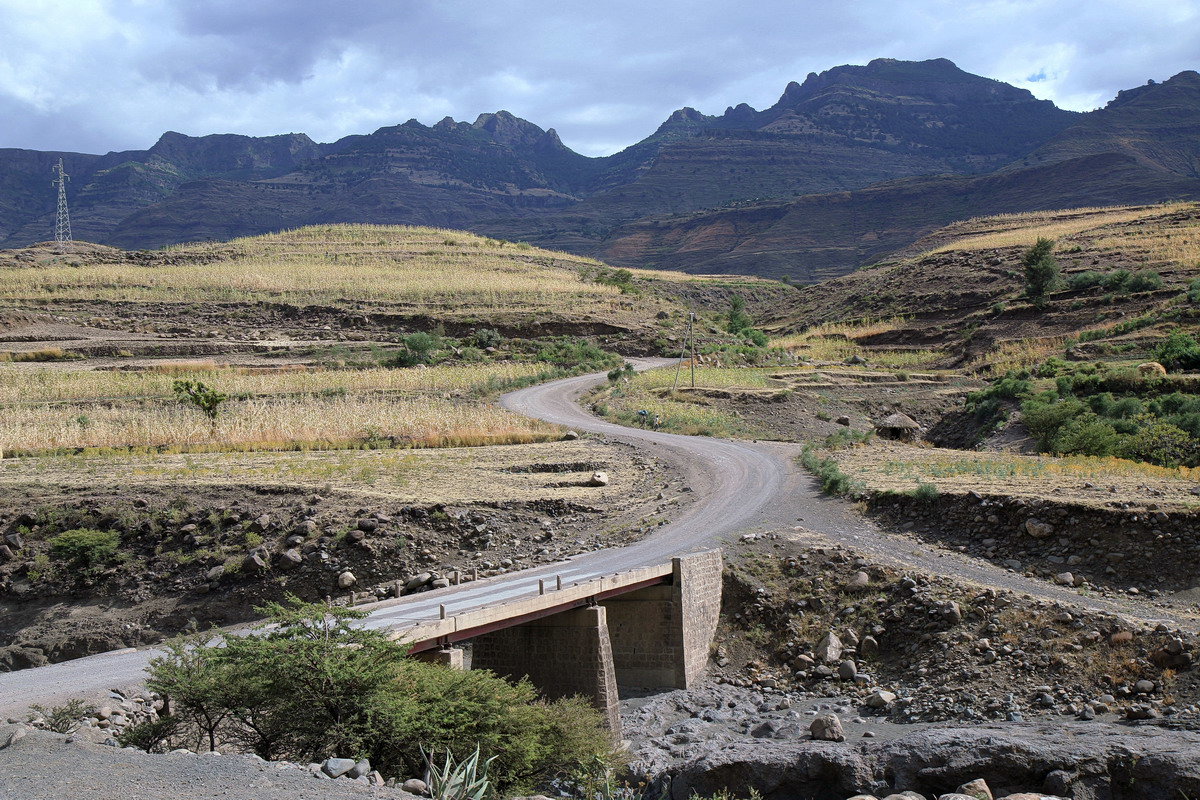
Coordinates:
(852, 163)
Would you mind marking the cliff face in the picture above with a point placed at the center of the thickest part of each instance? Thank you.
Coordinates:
(703, 193)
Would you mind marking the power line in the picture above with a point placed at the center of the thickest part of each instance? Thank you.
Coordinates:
(62, 222)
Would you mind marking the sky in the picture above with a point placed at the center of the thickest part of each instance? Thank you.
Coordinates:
(101, 75)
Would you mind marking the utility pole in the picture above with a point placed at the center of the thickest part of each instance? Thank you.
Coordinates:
(687, 346)
(62, 222)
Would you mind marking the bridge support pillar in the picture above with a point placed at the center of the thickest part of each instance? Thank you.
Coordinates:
(562, 655)
(661, 635)
(447, 656)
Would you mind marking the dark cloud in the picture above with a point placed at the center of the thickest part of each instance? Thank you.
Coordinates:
(114, 74)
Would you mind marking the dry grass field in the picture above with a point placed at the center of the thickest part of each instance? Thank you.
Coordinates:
(414, 267)
(884, 466)
(1009, 230)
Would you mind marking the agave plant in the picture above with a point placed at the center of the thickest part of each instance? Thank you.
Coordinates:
(463, 780)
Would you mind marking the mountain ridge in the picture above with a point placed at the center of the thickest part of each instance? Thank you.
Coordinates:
(839, 131)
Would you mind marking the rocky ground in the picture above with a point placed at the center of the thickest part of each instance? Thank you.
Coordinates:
(197, 554)
(823, 621)
(835, 677)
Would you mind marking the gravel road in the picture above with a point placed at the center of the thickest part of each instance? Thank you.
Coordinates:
(738, 487)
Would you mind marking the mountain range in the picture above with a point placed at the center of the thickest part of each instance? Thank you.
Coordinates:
(847, 166)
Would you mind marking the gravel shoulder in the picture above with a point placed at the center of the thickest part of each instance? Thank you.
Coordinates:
(48, 766)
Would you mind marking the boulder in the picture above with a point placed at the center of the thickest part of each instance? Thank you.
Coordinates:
(859, 581)
(1038, 529)
(337, 767)
(254, 562)
(415, 786)
(1021, 757)
(598, 479)
(346, 580)
(289, 559)
(977, 788)
(362, 769)
(847, 670)
(880, 698)
(868, 647)
(827, 727)
(829, 649)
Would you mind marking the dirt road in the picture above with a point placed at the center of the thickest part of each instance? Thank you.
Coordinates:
(737, 488)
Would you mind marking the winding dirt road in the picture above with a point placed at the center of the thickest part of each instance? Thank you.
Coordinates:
(737, 487)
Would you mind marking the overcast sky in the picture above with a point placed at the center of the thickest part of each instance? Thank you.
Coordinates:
(99, 75)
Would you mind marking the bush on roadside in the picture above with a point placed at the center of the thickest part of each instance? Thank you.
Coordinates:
(317, 686)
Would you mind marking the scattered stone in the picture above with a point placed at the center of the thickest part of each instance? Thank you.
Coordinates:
(1038, 529)
(337, 767)
(977, 788)
(289, 559)
(880, 698)
(346, 580)
(827, 727)
(829, 649)
(415, 786)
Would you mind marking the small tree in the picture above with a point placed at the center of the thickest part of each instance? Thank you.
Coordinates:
(1041, 270)
(738, 319)
(203, 397)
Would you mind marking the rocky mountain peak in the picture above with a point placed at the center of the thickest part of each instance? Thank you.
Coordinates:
(507, 129)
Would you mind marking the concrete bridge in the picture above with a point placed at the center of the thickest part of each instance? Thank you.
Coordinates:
(649, 627)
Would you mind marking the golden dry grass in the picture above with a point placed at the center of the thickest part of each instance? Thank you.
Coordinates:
(837, 341)
(25, 386)
(415, 267)
(269, 422)
(1018, 354)
(708, 378)
(894, 467)
(1177, 244)
(1012, 230)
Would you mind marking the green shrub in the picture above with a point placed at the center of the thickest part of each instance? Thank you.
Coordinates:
(203, 397)
(65, 718)
(85, 550)
(1193, 292)
(926, 492)
(317, 685)
(737, 320)
(1162, 443)
(487, 337)
(1179, 351)
(833, 480)
(1116, 281)
(1085, 280)
(1144, 281)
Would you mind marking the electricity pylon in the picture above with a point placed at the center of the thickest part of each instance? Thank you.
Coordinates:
(62, 223)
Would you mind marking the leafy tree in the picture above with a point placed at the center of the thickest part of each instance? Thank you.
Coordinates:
(203, 397)
(1041, 270)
